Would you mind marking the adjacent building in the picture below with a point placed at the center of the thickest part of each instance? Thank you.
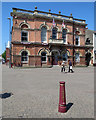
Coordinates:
(8, 52)
(89, 42)
(42, 38)
(94, 49)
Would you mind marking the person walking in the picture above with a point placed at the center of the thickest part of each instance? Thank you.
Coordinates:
(70, 66)
(63, 66)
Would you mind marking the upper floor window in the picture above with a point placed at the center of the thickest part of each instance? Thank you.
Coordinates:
(77, 40)
(54, 33)
(64, 31)
(24, 56)
(43, 34)
(24, 36)
(87, 41)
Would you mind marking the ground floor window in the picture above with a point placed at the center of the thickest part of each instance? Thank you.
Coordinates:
(24, 56)
(77, 57)
(44, 57)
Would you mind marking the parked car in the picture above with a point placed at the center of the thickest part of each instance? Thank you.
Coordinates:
(3, 61)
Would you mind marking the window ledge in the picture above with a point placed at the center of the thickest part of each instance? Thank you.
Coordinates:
(24, 61)
(44, 61)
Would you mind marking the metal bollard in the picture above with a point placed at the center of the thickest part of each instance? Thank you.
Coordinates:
(62, 98)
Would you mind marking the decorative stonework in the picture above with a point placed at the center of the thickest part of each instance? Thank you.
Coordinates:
(24, 23)
(43, 50)
(44, 25)
(24, 50)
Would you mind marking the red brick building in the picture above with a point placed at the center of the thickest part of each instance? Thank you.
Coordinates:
(44, 39)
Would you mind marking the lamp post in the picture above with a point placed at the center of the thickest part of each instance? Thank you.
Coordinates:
(10, 40)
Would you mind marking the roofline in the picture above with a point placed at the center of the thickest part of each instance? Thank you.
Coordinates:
(18, 9)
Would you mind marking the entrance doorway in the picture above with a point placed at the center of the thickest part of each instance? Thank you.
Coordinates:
(88, 58)
(55, 55)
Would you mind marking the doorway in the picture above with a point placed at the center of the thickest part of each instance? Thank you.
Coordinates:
(55, 55)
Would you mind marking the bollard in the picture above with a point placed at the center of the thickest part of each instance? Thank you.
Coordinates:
(62, 98)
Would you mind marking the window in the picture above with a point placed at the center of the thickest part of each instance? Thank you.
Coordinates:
(43, 34)
(87, 41)
(24, 36)
(54, 33)
(64, 31)
(77, 58)
(24, 56)
(43, 57)
(77, 42)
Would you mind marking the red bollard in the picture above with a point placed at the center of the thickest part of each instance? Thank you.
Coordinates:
(62, 98)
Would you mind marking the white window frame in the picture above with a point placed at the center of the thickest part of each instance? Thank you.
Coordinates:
(56, 33)
(77, 36)
(66, 36)
(27, 35)
(44, 41)
(44, 56)
(24, 56)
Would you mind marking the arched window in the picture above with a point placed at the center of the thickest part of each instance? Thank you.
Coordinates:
(24, 26)
(77, 40)
(64, 31)
(24, 36)
(87, 41)
(54, 33)
(77, 57)
(24, 56)
(43, 34)
(44, 57)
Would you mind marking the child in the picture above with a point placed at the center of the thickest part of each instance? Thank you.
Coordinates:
(63, 66)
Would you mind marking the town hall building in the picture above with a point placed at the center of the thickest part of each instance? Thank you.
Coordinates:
(42, 38)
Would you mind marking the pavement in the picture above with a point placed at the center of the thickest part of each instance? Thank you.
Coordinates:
(34, 92)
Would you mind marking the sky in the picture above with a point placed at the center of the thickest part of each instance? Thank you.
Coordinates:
(80, 10)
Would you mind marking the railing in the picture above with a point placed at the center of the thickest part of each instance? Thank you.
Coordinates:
(59, 41)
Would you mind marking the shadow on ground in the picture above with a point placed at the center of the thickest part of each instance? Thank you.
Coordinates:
(68, 106)
(5, 95)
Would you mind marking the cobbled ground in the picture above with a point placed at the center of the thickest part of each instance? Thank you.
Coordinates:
(35, 92)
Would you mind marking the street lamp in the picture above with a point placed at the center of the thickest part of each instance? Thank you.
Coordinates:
(10, 40)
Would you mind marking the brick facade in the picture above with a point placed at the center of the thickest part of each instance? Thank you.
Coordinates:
(7, 55)
(33, 23)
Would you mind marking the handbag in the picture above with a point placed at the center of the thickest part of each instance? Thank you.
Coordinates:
(71, 67)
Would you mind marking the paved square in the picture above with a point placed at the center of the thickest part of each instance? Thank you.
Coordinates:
(36, 92)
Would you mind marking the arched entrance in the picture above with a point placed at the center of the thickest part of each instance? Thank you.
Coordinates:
(88, 58)
(65, 55)
(55, 55)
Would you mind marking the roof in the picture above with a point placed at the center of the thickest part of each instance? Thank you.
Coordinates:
(46, 15)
